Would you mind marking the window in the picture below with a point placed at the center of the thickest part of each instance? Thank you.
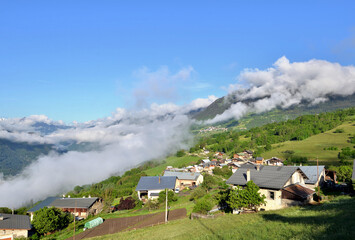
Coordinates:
(272, 195)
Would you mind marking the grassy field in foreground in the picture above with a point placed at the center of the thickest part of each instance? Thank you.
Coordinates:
(332, 220)
(171, 161)
(313, 147)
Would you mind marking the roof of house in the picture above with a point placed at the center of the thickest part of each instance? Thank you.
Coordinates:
(183, 175)
(311, 173)
(65, 203)
(299, 190)
(353, 176)
(274, 159)
(74, 202)
(259, 158)
(153, 183)
(267, 177)
(45, 203)
(15, 222)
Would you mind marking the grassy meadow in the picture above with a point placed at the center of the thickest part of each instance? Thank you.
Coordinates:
(313, 146)
(330, 220)
(171, 161)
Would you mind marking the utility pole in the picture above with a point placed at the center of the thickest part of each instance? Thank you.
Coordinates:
(318, 181)
(74, 219)
(166, 205)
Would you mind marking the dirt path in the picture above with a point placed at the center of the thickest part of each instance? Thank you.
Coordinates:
(115, 225)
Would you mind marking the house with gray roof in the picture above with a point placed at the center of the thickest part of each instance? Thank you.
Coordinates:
(150, 187)
(14, 226)
(314, 178)
(273, 183)
(186, 179)
(80, 207)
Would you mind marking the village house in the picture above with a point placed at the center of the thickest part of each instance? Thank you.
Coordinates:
(186, 179)
(150, 187)
(80, 207)
(274, 161)
(14, 226)
(259, 160)
(282, 186)
(311, 173)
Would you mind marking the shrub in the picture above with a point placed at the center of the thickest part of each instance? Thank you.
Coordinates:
(339, 130)
(171, 196)
(204, 204)
(180, 153)
(126, 204)
(197, 193)
(225, 171)
(152, 204)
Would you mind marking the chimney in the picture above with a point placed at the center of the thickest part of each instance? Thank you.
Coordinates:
(257, 167)
(248, 175)
(300, 164)
(1, 217)
(159, 179)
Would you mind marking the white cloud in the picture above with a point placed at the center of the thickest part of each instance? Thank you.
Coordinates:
(286, 84)
(138, 137)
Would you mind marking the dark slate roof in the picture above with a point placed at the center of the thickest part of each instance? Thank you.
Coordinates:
(311, 173)
(152, 183)
(74, 202)
(353, 177)
(15, 222)
(45, 203)
(183, 175)
(267, 177)
(64, 203)
(259, 158)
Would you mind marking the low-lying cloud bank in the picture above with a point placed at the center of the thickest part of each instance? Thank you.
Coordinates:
(286, 84)
(126, 139)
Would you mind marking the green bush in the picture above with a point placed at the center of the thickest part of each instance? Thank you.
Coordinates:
(48, 220)
(197, 193)
(225, 171)
(171, 196)
(204, 204)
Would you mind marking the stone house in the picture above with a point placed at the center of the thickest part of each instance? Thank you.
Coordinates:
(14, 226)
(282, 186)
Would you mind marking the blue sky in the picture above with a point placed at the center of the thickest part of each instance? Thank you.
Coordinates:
(80, 60)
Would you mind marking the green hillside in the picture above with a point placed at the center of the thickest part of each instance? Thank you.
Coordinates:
(332, 220)
(276, 115)
(14, 156)
(313, 146)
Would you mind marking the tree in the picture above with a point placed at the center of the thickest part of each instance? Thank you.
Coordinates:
(47, 220)
(249, 197)
(344, 173)
(171, 196)
(208, 181)
(180, 153)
